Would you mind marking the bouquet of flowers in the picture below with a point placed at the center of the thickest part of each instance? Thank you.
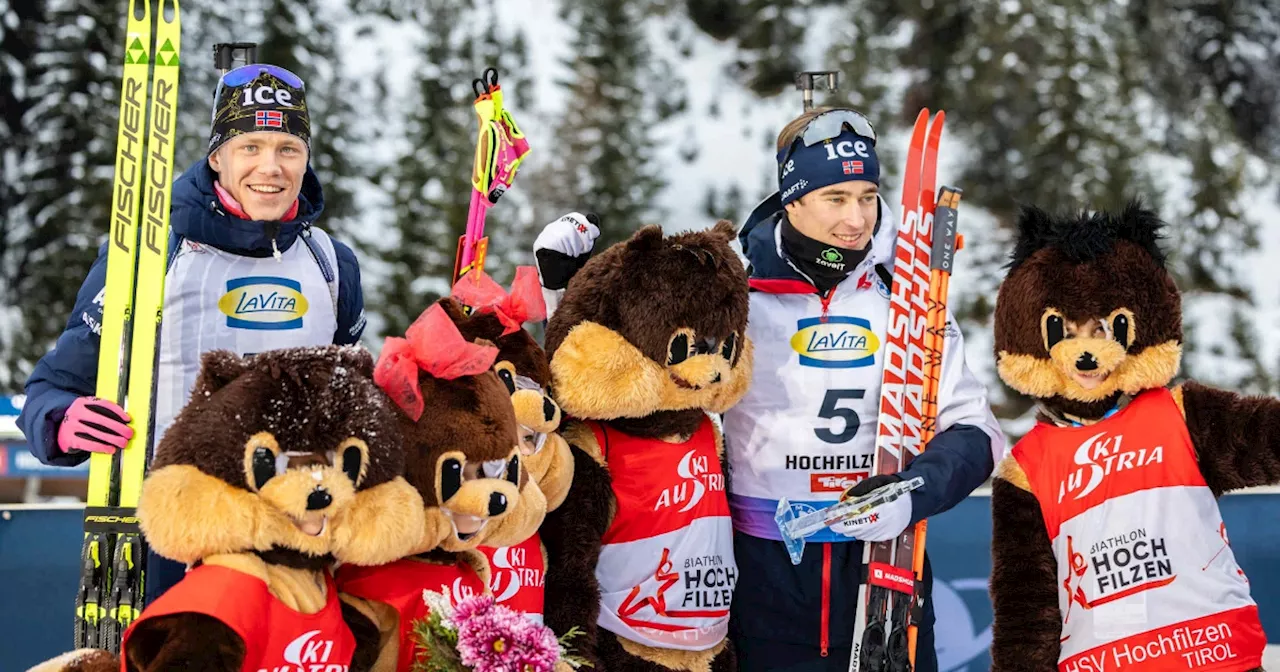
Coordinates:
(479, 635)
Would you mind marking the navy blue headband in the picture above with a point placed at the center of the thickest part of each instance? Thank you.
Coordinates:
(802, 169)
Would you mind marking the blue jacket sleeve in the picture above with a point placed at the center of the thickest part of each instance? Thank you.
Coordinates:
(351, 319)
(68, 371)
(956, 462)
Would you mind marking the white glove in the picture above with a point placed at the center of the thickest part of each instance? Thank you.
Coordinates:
(882, 523)
(563, 247)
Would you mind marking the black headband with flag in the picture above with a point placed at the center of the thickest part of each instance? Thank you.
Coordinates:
(259, 97)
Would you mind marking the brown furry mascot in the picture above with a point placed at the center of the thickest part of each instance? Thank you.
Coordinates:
(462, 455)
(518, 572)
(1109, 552)
(283, 463)
(647, 340)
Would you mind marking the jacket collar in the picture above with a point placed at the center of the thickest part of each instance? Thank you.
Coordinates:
(198, 216)
(761, 241)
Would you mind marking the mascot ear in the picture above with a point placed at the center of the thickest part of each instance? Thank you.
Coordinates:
(646, 239)
(453, 308)
(1141, 226)
(726, 230)
(357, 358)
(217, 369)
(1034, 227)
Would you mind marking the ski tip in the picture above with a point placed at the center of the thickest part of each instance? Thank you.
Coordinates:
(959, 242)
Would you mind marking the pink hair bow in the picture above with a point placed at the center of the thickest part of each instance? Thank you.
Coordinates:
(484, 295)
(433, 344)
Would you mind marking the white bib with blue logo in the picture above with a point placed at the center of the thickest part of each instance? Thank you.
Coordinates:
(215, 300)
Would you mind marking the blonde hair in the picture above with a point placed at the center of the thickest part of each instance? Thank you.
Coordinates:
(795, 127)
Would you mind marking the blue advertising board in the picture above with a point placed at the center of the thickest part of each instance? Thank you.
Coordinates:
(40, 547)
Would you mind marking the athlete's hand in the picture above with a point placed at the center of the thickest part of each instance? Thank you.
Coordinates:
(95, 425)
(882, 523)
(563, 247)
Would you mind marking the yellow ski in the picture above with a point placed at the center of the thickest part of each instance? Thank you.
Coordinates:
(112, 592)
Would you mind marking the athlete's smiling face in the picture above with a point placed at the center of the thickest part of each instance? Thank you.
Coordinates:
(263, 171)
(842, 215)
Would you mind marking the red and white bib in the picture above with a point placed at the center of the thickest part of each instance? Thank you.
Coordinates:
(275, 636)
(1146, 578)
(666, 569)
(517, 575)
(400, 585)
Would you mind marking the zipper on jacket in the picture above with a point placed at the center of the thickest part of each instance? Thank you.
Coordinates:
(826, 599)
(826, 303)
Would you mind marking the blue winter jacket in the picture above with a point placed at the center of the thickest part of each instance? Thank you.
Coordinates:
(70, 369)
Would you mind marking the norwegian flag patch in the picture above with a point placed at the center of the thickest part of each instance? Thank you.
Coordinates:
(273, 119)
(852, 167)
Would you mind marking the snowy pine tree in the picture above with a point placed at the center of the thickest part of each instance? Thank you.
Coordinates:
(58, 190)
(617, 91)
(429, 183)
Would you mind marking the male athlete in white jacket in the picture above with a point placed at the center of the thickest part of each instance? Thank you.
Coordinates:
(819, 252)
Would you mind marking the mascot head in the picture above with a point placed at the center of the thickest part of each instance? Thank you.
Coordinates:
(1088, 312)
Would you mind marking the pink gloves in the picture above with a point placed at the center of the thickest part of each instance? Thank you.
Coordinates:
(95, 425)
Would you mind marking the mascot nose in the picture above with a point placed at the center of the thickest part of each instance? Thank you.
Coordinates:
(497, 504)
(318, 499)
(1086, 362)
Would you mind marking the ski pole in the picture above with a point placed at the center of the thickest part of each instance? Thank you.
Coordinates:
(500, 149)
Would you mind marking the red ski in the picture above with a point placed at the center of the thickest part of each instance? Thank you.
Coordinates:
(883, 637)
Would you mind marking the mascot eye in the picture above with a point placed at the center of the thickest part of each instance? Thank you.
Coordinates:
(508, 379)
(513, 470)
(352, 459)
(450, 479)
(730, 348)
(680, 348)
(263, 460)
(351, 456)
(1122, 328)
(264, 466)
(1055, 329)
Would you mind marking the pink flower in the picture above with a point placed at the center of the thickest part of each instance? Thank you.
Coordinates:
(493, 638)
(472, 606)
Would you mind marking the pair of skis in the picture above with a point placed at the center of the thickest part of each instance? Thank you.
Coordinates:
(890, 602)
(113, 557)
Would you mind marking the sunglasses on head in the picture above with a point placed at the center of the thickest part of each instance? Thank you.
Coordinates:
(828, 126)
(247, 73)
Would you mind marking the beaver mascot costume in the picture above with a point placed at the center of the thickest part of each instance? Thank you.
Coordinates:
(462, 456)
(648, 340)
(517, 573)
(1109, 552)
(282, 464)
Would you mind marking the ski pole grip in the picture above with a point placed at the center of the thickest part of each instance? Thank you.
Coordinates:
(227, 54)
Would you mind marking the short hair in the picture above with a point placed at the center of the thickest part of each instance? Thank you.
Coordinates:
(795, 127)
